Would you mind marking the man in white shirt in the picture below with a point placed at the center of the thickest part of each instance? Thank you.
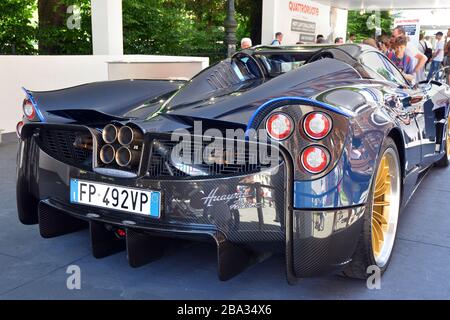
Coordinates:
(437, 58)
(412, 51)
(425, 47)
(424, 43)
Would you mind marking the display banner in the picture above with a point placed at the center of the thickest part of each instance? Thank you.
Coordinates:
(300, 20)
(412, 28)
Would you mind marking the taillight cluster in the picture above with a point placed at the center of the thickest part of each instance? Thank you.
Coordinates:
(316, 126)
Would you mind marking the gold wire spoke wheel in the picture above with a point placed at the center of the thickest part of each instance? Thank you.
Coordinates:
(385, 207)
(380, 208)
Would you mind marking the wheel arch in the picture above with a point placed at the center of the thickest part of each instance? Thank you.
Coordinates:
(396, 135)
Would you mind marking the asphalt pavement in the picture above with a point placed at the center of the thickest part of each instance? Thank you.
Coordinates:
(35, 268)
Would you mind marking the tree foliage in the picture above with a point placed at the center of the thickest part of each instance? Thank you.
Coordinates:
(173, 27)
(63, 31)
(169, 27)
(358, 24)
(16, 29)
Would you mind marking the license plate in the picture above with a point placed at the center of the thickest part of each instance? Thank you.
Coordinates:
(131, 200)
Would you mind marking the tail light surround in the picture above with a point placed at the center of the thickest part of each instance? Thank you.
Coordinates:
(279, 126)
(315, 159)
(317, 125)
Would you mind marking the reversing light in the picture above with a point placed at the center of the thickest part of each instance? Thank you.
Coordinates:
(279, 126)
(315, 159)
(28, 109)
(317, 125)
(19, 127)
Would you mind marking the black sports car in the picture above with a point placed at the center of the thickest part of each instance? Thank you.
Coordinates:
(307, 151)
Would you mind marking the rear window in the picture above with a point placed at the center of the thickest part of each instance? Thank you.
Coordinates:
(277, 64)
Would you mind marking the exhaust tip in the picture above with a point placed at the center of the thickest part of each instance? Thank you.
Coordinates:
(109, 133)
(128, 136)
(107, 154)
(124, 156)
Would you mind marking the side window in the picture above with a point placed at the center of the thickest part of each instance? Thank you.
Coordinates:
(383, 67)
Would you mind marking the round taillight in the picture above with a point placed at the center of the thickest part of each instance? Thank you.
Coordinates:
(19, 127)
(279, 126)
(315, 159)
(317, 125)
(28, 109)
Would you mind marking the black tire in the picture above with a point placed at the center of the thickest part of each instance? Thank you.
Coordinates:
(444, 161)
(363, 256)
(27, 207)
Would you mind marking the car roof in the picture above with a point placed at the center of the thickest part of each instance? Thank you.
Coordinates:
(354, 50)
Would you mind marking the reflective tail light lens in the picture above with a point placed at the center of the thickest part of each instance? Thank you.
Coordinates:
(315, 159)
(317, 125)
(19, 127)
(279, 126)
(29, 110)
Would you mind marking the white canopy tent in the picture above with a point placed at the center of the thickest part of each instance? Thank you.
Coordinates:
(387, 4)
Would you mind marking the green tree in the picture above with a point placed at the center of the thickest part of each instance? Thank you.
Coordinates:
(16, 29)
(249, 18)
(357, 24)
(57, 34)
(173, 27)
(166, 27)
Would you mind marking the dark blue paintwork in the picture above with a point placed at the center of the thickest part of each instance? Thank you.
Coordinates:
(315, 219)
(340, 86)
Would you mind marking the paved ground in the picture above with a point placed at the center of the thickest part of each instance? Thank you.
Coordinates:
(35, 268)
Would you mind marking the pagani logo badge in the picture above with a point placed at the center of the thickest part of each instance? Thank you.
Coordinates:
(237, 200)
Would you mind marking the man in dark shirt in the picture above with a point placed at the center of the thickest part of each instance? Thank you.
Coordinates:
(278, 39)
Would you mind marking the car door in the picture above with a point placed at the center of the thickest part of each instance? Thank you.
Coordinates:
(419, 102)
(429, 106)
(398, 97)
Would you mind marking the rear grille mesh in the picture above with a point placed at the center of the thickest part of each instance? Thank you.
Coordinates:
(161, 166)
(60, 145)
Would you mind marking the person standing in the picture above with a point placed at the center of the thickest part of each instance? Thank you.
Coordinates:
(320, 38)
(384, 44)
(246, 43)
(351, 38)
(339, 40)
(425, 47)
(278, 39)
(370, 42)
(419, 59)
(447, 56)
(437, 58)
(400, 58)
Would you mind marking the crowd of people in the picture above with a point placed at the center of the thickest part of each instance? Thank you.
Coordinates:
(414, 60)
(417, 63)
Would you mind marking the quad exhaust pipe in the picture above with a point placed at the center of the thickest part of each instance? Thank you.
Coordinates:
(107, 154)
(121, 145)
(109, 133)
(128, 136)
(127, 157)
